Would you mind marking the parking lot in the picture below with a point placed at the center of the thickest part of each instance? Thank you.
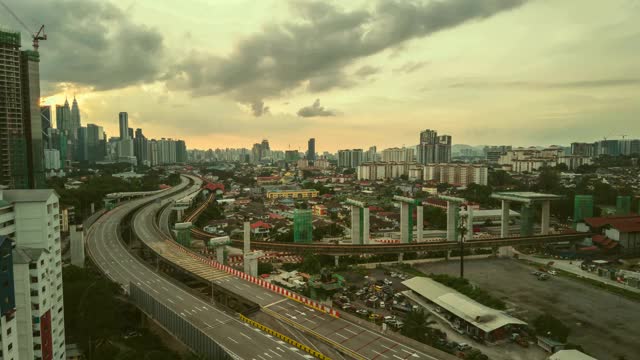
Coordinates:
(603, 323)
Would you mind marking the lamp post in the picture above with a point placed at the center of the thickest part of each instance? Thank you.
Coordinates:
(462, 230)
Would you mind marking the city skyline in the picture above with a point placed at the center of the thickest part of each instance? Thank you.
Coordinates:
(482, 75)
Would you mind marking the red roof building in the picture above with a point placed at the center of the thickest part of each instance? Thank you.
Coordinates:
(214, 186)
(260, 224)
(610, 232)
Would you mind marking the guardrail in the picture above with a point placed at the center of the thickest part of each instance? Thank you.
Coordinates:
(283, 337)
(178, 326)
(265, 284)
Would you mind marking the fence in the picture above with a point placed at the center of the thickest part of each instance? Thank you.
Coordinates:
(178, 326)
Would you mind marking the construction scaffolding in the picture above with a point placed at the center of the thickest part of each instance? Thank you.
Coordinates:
(623, 205)
(582, 208)
(302, 226)
(8, 37)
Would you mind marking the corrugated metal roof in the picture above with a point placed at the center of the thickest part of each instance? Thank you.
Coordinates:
(27, 195)
(481, 316)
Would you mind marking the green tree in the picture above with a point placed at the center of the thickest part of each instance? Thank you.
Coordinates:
(548, 180)
(265, 268)
(417, 325)
(548, 326)
(310, 264)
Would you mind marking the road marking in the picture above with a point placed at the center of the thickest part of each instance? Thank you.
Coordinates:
(178, 296)
(342, 336)
(388, 348)
(379, 353)
(353, 332)
(207, 324)
(275, 352)
(267, 355)
(232, 340)
(245, 335)
(171, 301)
(259, 297)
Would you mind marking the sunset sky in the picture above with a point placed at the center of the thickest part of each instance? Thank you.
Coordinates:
(349, 73)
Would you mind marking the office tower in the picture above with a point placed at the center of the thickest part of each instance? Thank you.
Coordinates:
(45, 119)
(94, 143)
(63, 117)
(140, 148)
(434, 149)
(82, 145)
(130, 133)
(181, 151)
(124, 125)
(37, 272)
(350, 158)
(311, 149)
(75, 116)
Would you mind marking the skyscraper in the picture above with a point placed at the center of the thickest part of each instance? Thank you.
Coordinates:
(124, 125)
(32, 122)
(141, 148)
(434, 149)
(75, 116)
(94, 146)
(350, 158)
(45, 118)
(311, 149)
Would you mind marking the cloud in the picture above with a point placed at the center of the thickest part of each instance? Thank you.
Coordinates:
(367, 71)
(410, 67)
(91, 43)
(313, 51)
(315, 110)
(258, 108)
(613, 82)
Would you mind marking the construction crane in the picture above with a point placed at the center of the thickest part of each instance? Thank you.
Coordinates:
(37, 36)
(624, 136)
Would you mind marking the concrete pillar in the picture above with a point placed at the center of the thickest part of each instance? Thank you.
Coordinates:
(400, 257)
(544, 223)
(494, 251)
(247, 238)
(77, 246)
(419, 223)
(179, 214)
(220, 254)
(355, 225)
(447, 254)
(404, 223)
(452, 208)
(365, 225)
(336, 260)
(504, 225)
(253, 267)
(469, 234)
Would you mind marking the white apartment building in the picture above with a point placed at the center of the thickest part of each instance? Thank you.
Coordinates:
(51, 159)
(37, 269)
(398, 155)
(530, 159)
(457, 174)
(8, 322)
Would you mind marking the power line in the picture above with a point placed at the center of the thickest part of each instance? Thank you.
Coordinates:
(15, 16)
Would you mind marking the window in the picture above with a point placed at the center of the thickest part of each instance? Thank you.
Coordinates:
(8, 331)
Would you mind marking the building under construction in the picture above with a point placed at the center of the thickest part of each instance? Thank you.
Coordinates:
(582, 208)
(21, 141)
(302, 226)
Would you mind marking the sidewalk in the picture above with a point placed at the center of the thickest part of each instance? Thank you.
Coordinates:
(574, 268)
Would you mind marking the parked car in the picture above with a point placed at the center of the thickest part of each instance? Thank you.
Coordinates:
(464, 346)
(552, 272)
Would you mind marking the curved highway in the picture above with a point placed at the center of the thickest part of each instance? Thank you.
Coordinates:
(110, 255)
(352, 339)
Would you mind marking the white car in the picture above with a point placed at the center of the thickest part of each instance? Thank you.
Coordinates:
(552, 272)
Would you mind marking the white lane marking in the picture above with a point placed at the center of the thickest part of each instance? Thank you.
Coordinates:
(171, 301)
(232, 340)
(275, 352)
(379, 353)
(245, 335)
(388, 348)
(206, 324)
(354, 333)
(342, 336)
(178, 296)
(267, 355)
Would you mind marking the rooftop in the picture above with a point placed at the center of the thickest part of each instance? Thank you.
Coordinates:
(25, 255)
(481, 316)
(524, 196)
(622, 223)
(27, 195)
(570, 355)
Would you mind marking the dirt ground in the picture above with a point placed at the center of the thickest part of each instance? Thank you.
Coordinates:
(605, 324)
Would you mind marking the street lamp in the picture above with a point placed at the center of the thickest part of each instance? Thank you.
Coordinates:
(462, 230)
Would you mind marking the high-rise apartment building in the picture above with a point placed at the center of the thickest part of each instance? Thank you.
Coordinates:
(141, 148)
(456, 174)
(123, 120)
(371, 154)
(311, 149)
(350, 158)
(37, 272)
(434, 149)
(8, 327)
(492, 153)
(398, 154)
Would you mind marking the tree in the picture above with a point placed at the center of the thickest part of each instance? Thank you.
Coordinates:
(265, 268)
(310, 264)
(548, 326)
(417, 325)
(548, 180)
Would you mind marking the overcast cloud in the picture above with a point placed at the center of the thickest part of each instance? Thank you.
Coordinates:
(315, 110)
(314, 50)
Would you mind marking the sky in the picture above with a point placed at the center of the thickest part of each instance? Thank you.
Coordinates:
(351, 74)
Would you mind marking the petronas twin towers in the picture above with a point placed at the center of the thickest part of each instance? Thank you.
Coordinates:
(68, 118)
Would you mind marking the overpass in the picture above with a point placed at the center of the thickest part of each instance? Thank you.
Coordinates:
(292, 310)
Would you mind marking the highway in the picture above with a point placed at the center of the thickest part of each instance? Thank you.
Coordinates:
(110, 255)
(350, 338)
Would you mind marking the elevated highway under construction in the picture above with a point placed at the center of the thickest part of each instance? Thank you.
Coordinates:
(212, 315)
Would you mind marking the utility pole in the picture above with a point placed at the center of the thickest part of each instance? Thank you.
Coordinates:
(462, 229)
